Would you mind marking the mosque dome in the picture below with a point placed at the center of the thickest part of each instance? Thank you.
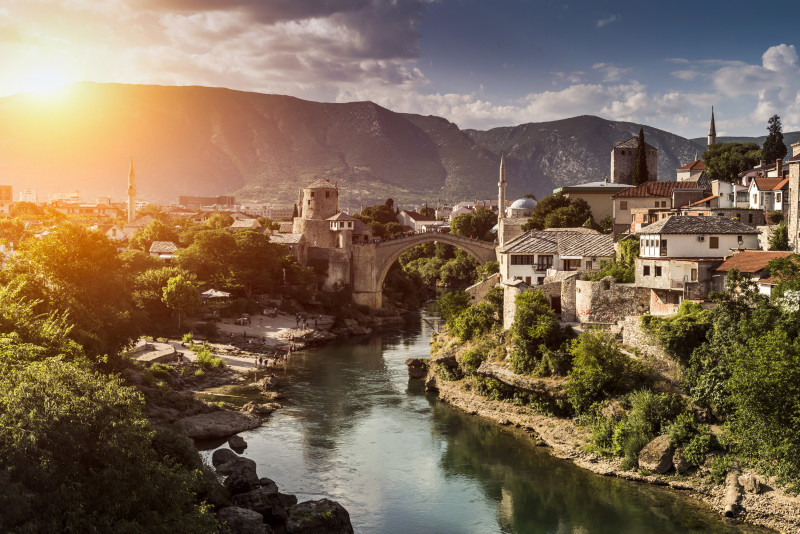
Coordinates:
(524, 204)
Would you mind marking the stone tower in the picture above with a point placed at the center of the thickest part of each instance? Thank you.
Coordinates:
(318, 201)
(501, 190)
(712, 129)
(623, 157)
(131, 194)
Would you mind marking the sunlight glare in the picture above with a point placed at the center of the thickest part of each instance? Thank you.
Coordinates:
(44, 81)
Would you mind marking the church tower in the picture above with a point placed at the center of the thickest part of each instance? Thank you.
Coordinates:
(712, 130)
(501, 193)
(131, 194)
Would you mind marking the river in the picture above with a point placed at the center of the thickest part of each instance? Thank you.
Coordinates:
(354, 429)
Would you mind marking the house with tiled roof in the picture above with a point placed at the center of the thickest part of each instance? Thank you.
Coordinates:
(413, 219)
(296, 243)
(677, 256)
(246, 224)
(691, 171)
(769, 193)
(140, 223)
(597, 194)
(531, 255)
(652, 196)
(752, 263)
(111, 230)
(163, 249)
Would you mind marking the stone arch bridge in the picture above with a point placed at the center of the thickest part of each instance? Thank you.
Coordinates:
(371, 262)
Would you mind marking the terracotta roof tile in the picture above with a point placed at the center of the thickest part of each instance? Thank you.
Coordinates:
(751, 261)
(696, 165)
(712, 197)
(770, 184)
(655, 189)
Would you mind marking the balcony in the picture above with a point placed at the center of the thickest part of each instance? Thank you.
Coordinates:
(677, 284)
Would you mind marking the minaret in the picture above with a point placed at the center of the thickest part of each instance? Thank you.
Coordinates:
(131, 194)
(712, 130)
(501, 193)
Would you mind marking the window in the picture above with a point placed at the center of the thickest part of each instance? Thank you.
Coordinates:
(750, 218)
(663, 247)
(539, 280)
(309, 200)
(777, 197)
(528, 280)
(658, 204)
(755, 199)
(545, 262)
(522, 260)
(658, 270)
(623, 205)
(740, 239)
(646, 270)
(713, 242)
(327, 194)
(312, 194)
(589, 265)
(694, 275)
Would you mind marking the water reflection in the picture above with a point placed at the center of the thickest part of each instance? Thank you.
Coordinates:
(356, 430)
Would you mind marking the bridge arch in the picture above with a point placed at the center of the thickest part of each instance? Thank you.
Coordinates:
(371, 262)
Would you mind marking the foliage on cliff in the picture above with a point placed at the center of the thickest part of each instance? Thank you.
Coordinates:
(558, 211)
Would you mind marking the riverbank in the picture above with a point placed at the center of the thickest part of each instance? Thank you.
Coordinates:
(771, 507)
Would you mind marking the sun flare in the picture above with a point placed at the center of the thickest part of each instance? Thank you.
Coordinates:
(43, 81)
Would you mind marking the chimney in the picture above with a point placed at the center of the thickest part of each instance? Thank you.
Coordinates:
(762, 163)
(779, 167)
(795, 148)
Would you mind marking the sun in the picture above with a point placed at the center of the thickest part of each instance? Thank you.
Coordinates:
(43, 81)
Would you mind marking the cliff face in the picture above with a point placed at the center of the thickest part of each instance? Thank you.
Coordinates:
(210, 141)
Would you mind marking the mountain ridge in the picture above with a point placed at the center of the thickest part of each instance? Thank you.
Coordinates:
(194, 140)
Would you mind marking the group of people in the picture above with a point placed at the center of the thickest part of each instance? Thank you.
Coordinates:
(262, 361)
(299, 318)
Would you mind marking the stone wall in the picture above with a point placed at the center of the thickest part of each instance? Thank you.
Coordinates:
(510, 293)
(607, 301)
(478, 291)
(763, 237)
(633, 335)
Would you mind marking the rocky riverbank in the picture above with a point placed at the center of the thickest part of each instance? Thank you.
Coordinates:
(756, 501)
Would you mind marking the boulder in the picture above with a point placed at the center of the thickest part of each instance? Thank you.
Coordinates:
(750, 483)
(260, 409)
(359, 331)
(417, 367)
(350, 323)
(680, 462)
(237, 442)
(218, 424)
(221, 456)
(430, 383)
(319, 517)
(656, 456)
(267, 501)
(240, 474)
(242, 521)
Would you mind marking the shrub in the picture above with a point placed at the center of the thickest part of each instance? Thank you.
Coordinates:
(452, 304)
(535, 328)
(474, 321)
(209, 329)
(187, 337)
(162, 372)
(696, 450)
(682, 430)
(683, 332)
(207, 360)
(774, 217)
(720, 467)
(599, 370)
(472, 359)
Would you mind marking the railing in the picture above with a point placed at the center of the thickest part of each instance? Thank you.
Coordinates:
(677, 284)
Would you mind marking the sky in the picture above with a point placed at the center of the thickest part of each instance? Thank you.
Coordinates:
(478, 63)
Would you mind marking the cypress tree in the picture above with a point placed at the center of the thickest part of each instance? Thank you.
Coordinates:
(294, 212)
(774, 146)
(640, 175)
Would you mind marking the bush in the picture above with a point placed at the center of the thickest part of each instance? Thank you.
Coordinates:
(535, 328)
(474, 321)
(681, 333)
(774, 217)
(472, 359)
(187, 337)
(209, 329)
(682, 430)
(696, 450)
(599, 371)
(207, 360)
(452, 304)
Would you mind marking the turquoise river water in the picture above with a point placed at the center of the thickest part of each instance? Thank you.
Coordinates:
(355, 429)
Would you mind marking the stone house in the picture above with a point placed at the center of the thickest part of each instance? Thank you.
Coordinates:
(597, 194)
(677, 256)
(623, 157)
(246, 224)
(652, 195)
(163, 249)
(535, 254)
(753, 263)
(296, 243)
(414, 220)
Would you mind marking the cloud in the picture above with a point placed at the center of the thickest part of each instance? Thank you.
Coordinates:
(612, 72)
(608, 20)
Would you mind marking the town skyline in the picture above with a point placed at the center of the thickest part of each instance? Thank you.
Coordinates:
(476, 65)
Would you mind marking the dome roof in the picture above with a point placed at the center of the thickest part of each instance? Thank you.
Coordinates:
(524, 204)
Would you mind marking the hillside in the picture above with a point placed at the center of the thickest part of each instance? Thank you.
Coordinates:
(788, 139)
(210, 141)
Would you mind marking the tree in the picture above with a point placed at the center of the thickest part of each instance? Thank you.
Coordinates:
(148, 290)
(787, 271)
(779, 238)
(77, 271)
(181, 295)
(558, 211)
(477, 224)
(535, 327)
(428, 212)
(774, 147)
(155, 230)
(295, 213)
(12, 230)
(724, 161)
(389, 203)
(640, 174)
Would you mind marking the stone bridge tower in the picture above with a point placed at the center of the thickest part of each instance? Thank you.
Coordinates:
(319, 200)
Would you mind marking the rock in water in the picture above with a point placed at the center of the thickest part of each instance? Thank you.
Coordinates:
(237, 442)
(218, 424)
(240, 474)
(221, 456)
(319, 517)
(657, 455)
(242, 521)
(417, 368)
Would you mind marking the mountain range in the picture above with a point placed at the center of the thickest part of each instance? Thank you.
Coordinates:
(263, 148)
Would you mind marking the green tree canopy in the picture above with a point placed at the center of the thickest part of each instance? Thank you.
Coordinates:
(181, 295)
(558, 211)
(640, 174)
(779, 238)
(774, 148)
(477, 224)
(724, 161)
(155, 230)
(535, 328)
